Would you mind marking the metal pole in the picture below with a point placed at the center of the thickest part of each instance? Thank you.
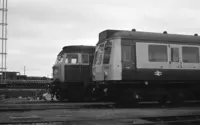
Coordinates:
(6, 37)
(3, 40)
(3, 8)
(1, 3)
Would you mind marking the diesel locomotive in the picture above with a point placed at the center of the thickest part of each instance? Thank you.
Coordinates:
(72, 73)
(131, 66)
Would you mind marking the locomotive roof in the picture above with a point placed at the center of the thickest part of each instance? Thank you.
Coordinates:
(78, 49)
(138, 35)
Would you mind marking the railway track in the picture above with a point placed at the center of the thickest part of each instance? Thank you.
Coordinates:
(56, 113)
(48, 105)
(167, 120)
(92, 106)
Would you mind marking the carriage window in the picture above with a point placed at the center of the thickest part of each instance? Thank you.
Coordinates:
(85, 58)
(71, 59)
(107, 52)
(190, 54)
(126, 51)
(157, 53)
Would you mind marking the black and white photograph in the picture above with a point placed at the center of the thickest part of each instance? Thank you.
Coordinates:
(99, 62)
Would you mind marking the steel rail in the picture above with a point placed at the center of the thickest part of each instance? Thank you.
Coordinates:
(133, 121)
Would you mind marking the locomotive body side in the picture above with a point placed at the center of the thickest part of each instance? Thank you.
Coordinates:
(107, 68)
(179, 62)
(140, 64)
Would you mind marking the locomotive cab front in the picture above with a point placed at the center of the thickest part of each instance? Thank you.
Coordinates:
(114, 61)
(73, 72)
(106, 65)
(57, 68)
(76, 67)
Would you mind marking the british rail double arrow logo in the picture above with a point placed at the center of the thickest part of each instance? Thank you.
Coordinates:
(157, 73)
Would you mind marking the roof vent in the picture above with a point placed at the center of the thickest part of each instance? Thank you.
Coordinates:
(196, 34)
(165, 32)
(133, 30)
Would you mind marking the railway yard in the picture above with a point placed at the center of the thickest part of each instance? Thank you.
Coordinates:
(86, 93)
(83, 92)
(127, 77)
(28, 112)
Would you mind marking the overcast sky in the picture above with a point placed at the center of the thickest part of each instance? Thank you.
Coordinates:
(38, 29)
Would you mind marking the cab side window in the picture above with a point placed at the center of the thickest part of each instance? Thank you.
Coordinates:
(157, 53)
(190, 54)
(107, 53)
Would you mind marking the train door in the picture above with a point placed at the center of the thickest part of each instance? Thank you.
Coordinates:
(190, 59)
(175, 63)
(91, 58)
(128, 60)
(175, 57)
(85, 67)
